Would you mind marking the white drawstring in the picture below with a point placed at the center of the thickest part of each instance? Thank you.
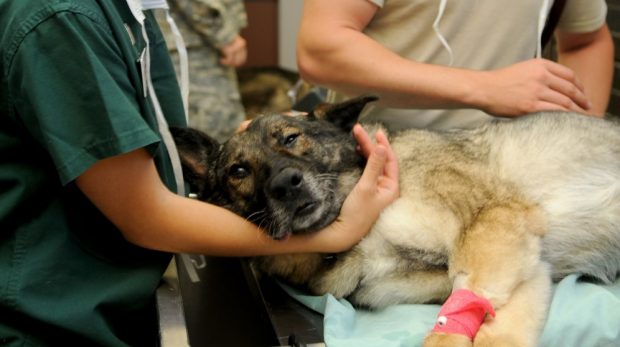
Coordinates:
(180, 46)
(440, 37)
(183, 62)
(161, 120)
(136, 7)
(542, 19)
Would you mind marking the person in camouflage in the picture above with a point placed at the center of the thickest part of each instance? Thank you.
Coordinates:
(211, 31)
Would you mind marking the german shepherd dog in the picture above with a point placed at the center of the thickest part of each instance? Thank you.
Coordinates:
(501, 210)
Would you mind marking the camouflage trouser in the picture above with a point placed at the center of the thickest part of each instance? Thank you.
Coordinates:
(214, 100)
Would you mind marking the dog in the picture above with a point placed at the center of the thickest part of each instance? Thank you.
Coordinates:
(268, 89)
(500, 210)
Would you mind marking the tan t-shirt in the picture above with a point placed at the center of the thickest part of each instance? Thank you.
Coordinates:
(481, 34)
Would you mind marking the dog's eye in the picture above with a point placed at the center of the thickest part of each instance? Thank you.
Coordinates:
(238, 171)
(290, 139)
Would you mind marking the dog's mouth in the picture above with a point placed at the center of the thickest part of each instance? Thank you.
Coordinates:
(312, 216)
(301, 218)
(306, 209)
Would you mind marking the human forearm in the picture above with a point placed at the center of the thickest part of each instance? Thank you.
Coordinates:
(591, 56)
(332, 51)
(128, 190)
(529, 86)
(151, 216)
(182, 225)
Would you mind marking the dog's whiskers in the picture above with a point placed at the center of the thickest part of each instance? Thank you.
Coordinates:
(270, 225)
(331, 191)
(327, 176)
(256, 215)
(264, 221)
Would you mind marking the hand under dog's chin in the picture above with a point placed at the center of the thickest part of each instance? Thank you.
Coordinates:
(321, 216)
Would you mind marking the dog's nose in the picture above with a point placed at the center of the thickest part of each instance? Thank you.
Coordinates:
(286, 184)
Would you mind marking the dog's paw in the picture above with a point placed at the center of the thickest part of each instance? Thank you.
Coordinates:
(446, 340)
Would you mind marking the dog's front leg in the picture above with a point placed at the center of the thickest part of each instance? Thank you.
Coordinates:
(517, 323)
(495, 265)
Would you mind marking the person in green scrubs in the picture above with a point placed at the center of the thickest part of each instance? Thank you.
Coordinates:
(88, 214)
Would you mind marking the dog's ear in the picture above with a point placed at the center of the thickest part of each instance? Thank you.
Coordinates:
(344, 114)
(198, 153)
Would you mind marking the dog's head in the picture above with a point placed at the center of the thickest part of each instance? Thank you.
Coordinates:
(285, 174)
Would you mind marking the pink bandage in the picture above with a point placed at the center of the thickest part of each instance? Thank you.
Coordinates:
(463, 314)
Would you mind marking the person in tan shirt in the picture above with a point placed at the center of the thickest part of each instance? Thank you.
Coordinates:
(444, 64)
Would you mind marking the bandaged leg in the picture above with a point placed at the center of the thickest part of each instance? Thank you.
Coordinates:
(497, 255)
(520, 321)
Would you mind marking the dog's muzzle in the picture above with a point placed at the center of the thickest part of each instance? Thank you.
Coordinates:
(293, 199)
(287, 184)
(289, 187)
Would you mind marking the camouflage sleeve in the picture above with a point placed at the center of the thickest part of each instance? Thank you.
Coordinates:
(216, 21)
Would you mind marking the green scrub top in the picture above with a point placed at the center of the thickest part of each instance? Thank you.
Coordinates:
(71, 94)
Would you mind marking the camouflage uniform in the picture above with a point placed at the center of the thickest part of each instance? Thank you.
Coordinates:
(206, 25)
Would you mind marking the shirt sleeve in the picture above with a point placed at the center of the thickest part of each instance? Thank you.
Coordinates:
(71, 89)
(582, 16)
(379, 3)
